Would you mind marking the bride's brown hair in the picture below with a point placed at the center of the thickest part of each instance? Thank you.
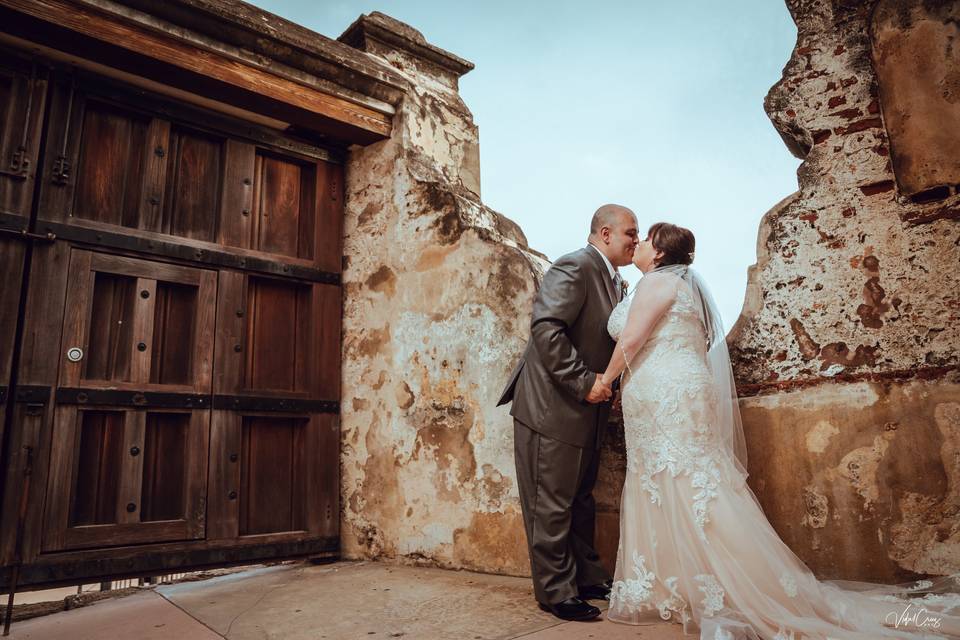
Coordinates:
(676, 243)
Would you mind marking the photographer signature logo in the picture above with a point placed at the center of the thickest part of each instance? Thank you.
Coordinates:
(914, 616)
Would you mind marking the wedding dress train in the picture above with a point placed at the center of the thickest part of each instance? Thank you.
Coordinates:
(695, 546)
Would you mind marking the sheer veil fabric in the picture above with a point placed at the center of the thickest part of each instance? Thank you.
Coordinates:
(695, 546)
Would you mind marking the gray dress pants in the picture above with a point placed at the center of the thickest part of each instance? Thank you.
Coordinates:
(556, 481)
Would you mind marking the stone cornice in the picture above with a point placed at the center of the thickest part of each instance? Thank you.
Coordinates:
(380, 27)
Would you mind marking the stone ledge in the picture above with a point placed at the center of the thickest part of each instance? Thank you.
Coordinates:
(380, 27)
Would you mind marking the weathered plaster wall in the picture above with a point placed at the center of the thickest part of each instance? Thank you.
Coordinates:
(437, 296)
(848, 349)
(847, 352)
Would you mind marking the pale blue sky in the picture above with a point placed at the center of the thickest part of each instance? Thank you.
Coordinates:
(654, 105)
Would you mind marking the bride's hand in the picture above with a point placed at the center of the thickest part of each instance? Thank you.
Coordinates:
(600, 392)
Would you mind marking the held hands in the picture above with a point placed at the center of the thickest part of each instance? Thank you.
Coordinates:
(600, 392)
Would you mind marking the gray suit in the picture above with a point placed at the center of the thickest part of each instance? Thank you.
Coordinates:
(557, 433)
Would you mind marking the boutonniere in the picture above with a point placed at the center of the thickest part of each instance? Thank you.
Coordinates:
(624, 288)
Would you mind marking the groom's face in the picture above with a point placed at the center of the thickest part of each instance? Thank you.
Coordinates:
(621, 239)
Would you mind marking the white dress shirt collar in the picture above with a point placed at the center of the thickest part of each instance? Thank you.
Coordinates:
(610, 267)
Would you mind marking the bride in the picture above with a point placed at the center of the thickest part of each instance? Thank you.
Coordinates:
(695, 546)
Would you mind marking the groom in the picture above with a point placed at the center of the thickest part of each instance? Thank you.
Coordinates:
(560, 409)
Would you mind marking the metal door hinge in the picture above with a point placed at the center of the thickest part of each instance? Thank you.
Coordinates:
(19, 164)
(61, 170)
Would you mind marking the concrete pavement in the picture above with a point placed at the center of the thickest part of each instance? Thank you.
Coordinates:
(341, 601)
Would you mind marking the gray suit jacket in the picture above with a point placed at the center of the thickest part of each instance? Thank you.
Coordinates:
(568, 346)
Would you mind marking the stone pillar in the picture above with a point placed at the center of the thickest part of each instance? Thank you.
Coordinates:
(438, 293)
(848, 348)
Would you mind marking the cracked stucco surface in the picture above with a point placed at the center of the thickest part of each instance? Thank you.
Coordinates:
(848, 348)
(437, 287)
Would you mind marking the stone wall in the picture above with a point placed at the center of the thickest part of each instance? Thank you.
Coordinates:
(847, 351)
(438, 291)
(848, 347)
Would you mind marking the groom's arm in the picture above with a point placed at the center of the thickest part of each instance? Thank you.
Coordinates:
(557, 306)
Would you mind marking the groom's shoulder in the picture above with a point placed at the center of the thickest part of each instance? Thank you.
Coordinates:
(573, 259)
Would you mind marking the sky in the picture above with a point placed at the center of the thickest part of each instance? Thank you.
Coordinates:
(654, 105)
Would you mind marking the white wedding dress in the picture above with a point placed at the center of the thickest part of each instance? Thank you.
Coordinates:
(695, 546)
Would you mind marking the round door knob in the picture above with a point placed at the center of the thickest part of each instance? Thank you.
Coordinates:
(141, 346)
(134, 451)
(131, 507)
(74, 354)
(144, 294)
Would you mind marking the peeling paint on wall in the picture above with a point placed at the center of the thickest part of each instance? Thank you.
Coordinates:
(437, 291)
(849, 340)
(818, 438)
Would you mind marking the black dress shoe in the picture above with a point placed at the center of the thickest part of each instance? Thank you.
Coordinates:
(596, 591)
(572, 609)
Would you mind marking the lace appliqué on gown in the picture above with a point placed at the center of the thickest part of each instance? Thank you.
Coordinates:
(712, 594)
(673, 605)
(789, 584)
(634, 592)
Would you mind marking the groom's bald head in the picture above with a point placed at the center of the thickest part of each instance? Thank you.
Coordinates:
(610, 215)
(613, 231)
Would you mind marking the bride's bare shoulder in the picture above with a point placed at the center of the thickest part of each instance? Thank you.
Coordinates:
(658, 285)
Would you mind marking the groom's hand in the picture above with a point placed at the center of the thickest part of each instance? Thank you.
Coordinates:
(600, 392)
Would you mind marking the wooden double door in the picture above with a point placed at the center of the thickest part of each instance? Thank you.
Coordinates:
(169, 333)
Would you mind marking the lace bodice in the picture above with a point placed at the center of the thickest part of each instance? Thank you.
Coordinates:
(680, 326)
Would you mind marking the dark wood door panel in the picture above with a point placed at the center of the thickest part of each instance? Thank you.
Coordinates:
(273, 476)
(109, 173)
(122, 476)
(196, 273)
(130, 170)
(277, 337)
(284, 206)
(137, 171)
(12, 254)
(23, 97)
(23, 85)
(194, 175)
(278, 344)
(137, 324)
